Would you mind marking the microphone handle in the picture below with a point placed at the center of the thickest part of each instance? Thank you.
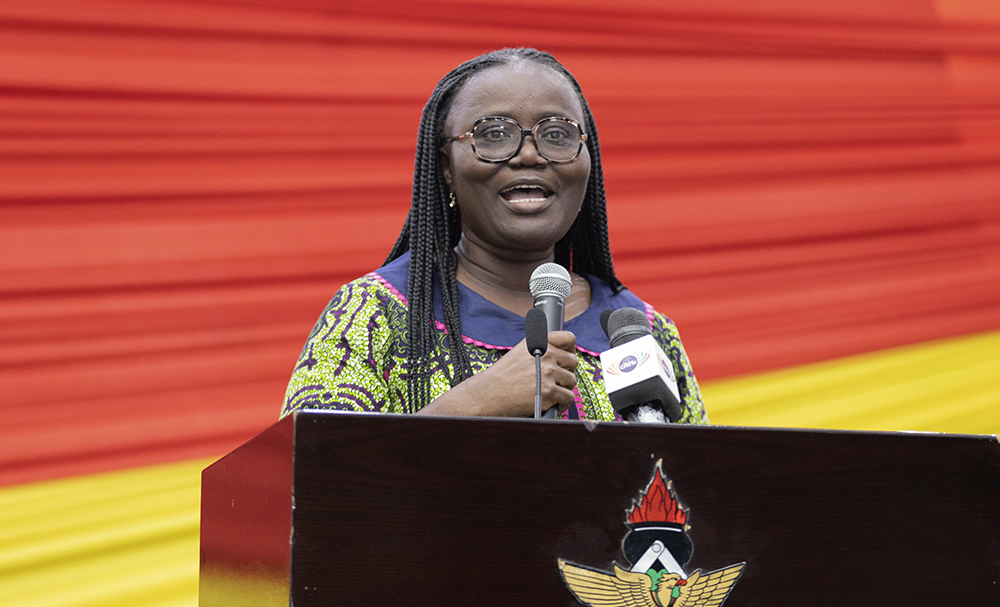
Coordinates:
(554, 309)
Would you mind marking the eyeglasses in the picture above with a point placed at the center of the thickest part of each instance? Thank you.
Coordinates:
(498, 139)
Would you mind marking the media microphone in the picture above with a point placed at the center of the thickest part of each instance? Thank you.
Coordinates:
(550, 285)
(638, 377)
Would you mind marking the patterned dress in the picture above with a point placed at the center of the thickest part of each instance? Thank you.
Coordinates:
(355, 356)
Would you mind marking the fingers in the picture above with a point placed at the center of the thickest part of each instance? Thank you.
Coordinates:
(557, 385)
(508, 386)
(558, 376)
(558, 367)
(562, 340)
(556, 396)
(561, 358)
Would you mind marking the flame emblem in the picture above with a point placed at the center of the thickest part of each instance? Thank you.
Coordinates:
(658, 503)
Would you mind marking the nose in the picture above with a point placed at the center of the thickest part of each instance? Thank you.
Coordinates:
(528, 154)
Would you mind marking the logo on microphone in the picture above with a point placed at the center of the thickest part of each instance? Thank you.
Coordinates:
(668, 369)
(656, 548)
(627, 363)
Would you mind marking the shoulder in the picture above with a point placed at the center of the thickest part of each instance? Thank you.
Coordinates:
(587, 327)
(360, 304)
(660, 322)
(387, 284)
(664, 329)
(370, 290)
(393, 276)
(606, 298)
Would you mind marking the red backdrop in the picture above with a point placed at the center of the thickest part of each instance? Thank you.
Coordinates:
(183, 185)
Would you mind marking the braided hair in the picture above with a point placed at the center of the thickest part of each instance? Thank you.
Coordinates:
(432, 229)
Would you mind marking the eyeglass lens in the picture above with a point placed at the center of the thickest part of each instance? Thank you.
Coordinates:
(556, 140)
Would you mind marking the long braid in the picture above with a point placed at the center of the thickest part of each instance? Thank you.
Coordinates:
(432, 230)
(586, 247)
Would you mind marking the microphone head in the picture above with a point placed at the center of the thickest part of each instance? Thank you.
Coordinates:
(536, 331)
(550, 279)
(604, 321)
(626, 324)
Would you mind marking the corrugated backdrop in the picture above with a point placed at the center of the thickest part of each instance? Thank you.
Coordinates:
(811, 190)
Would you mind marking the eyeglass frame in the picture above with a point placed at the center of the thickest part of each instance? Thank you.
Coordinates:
(524, 133)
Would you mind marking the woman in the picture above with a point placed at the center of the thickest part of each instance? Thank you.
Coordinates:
(508, 176)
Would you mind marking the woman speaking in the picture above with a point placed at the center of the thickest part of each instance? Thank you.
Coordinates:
(507, 177)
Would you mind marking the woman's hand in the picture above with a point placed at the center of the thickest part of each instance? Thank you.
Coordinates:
(507, 389)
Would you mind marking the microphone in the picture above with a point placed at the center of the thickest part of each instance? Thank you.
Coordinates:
(638, 377)
(536, 337)
(550, 285)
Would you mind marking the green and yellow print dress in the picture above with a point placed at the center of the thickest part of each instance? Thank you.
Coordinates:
(355, 356)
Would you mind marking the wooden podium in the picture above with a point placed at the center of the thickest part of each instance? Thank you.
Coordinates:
(330, 509)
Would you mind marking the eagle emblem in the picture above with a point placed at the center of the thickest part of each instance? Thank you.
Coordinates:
(656, 548)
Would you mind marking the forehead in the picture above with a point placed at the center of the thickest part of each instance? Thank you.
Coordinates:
(525, 91)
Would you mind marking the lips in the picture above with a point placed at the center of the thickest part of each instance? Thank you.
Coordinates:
(525, 193)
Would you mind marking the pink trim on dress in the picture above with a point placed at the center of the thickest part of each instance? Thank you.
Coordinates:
(650, 314)
(440, 325)
(389, 286)
(475, 342)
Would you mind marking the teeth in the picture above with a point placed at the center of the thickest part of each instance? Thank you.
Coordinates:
(545, 193)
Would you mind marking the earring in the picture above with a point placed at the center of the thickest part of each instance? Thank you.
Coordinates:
(452, 202)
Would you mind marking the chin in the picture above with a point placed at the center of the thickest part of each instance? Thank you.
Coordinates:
(532, 242)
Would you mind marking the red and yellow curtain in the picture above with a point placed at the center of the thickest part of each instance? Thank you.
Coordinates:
(811, 190)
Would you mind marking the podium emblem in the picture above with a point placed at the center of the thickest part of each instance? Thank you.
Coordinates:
(656, 548)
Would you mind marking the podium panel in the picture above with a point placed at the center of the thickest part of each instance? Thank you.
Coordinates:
(329, 509)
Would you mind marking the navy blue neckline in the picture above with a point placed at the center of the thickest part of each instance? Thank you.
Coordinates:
(484, 321)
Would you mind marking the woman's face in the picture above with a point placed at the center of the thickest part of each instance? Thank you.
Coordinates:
(526, 204)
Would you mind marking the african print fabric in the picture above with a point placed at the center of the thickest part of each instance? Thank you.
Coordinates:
(355, 356)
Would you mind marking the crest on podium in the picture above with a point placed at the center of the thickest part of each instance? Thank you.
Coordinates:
(656, 548)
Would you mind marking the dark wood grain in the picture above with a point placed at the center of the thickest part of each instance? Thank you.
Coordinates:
(394, 510)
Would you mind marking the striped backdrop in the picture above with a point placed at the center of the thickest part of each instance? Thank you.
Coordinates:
(811, 190)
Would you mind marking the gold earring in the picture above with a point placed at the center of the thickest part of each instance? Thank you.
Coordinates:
(452, 202)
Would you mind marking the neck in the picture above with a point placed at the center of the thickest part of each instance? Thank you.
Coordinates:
(509, 273)
(504, 280)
